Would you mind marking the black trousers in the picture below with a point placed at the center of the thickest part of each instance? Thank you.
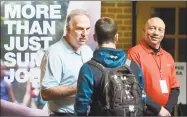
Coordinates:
(60, 114)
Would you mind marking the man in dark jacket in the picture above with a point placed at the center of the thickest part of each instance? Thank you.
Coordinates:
(106, 36)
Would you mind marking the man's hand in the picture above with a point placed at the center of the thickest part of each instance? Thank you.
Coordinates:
(164, 112)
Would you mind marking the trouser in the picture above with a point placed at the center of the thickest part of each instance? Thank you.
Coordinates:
(149, 113)
(61, 114)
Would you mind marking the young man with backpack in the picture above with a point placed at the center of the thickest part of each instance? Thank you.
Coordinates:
(109, 84)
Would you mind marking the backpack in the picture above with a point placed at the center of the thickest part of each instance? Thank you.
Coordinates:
(120, 91)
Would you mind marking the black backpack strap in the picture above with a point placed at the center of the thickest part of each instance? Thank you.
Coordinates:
(127, 65)
(98, 80)
(97, 64)
(97, 70)
(132, 66)
(128, 62)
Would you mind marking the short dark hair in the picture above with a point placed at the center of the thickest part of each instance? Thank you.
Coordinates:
(105, 30)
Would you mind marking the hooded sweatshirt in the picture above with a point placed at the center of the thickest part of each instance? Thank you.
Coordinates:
(89, 77)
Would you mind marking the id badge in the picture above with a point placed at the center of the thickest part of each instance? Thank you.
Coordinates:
(163, 86)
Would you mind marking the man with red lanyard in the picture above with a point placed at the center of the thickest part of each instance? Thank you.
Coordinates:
(158, 67)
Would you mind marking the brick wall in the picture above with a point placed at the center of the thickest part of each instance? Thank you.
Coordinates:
(121, 12)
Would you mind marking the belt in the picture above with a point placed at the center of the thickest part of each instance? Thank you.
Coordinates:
(61, 114)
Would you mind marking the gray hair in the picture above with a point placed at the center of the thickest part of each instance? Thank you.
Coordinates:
(74, 13)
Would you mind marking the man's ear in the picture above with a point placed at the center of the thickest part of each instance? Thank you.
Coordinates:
(95, 38)
(116, 38)
(68, 29)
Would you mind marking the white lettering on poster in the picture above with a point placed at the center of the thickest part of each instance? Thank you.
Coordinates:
(28, 34)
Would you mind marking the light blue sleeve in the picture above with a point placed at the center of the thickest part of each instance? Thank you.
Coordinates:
(53, 73)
